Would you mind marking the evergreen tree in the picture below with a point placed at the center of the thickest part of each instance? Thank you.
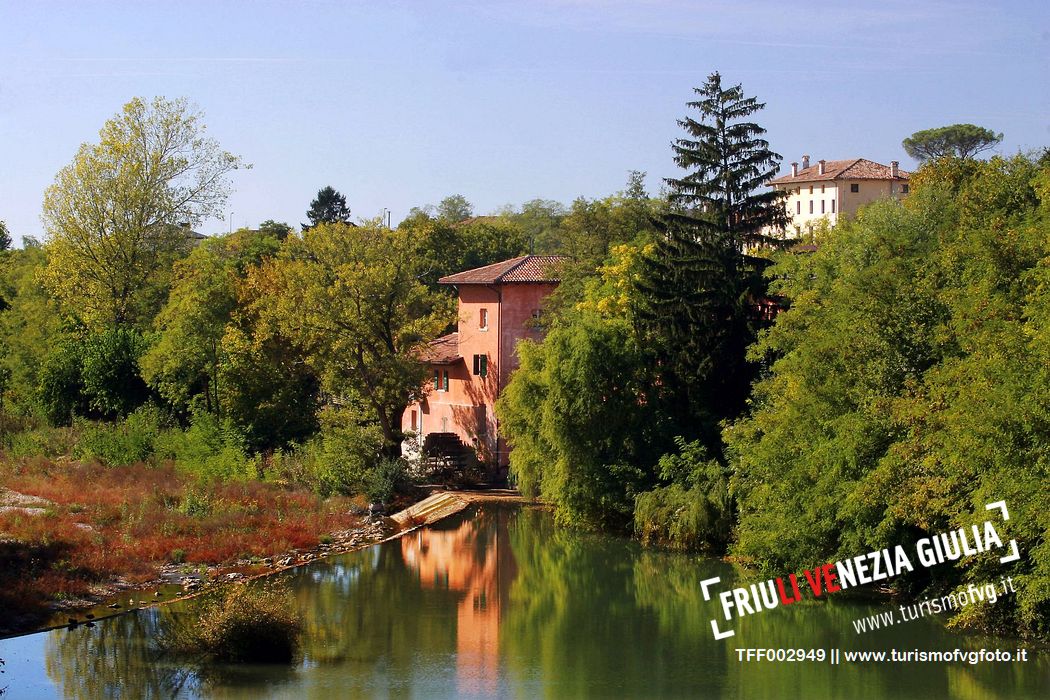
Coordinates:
(328, 207)
(701, 293)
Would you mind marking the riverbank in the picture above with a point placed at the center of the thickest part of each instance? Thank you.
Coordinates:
(73, 534)
(79, 542)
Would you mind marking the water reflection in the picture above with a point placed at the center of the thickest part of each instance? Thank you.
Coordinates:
(500, 602)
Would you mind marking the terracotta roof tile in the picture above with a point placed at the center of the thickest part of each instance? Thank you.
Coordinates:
(527, 268)
(853, 169)
(441, 351)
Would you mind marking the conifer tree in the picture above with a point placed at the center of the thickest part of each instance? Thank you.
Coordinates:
(701, 294)
(329, 207)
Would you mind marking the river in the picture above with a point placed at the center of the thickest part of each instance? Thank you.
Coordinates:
(497, 601)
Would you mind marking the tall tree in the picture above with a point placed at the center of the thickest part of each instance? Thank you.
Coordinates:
(328, 207)
(5, 237)
(958, 140)
(115, 216)
(455, 208)
(702, 290)
(358, 309)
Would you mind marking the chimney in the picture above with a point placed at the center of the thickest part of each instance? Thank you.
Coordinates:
(821, 164)
(805, 162)
(894, 170)
(794, 170)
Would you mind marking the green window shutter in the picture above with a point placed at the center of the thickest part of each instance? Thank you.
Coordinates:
(437, 380)
(446, 380)
(483, 365)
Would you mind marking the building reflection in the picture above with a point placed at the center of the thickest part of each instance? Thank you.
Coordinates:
(473, 559)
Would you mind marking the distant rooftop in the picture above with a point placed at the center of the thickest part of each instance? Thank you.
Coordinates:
(850, 169)
(527, 268)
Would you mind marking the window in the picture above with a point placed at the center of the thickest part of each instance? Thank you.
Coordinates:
(481, 365)
(413, 420)
(798, 207)
(822, 206)
(811, 189)
(833, 206)
(811, 206)
(483, 321)
(854, 187)
(437, 380)
(904, 189)
(822, 189)
(445, 382)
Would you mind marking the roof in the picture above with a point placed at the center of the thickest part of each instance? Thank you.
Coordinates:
(441, 351)
(527, 268)
(853, 169)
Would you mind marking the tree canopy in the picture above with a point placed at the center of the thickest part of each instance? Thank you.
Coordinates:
(358, 309)
(701, 294)
(958, 140)
(5, 237)
(328, 207)
(116, 215)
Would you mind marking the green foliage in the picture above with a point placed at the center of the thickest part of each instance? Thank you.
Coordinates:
(5, 237)
(244, 623)
(383, 478)
(30, 327)
(353, 302)
(60, 387)
(700, 295)
(328, 207)
(957, 141)
(114, 215)
(695, 511)
(583, 434)
(124, 442)
(185, 360)
(208, 449)
(910, 385)
(454, 208)
(110, 377)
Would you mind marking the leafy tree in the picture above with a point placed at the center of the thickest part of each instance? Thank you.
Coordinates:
(328, 207)
(958, 140)
(910, 387)
(5, 237)
(185, 360)
(701, 293)
(112, 382)
(583, 437)
(357, 308)
(454, 208)
(277, 229)
(114, 215)
(29, 327)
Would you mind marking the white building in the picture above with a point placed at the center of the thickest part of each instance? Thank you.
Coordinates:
(832, 188)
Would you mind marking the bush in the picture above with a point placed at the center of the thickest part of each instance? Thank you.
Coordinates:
(342, 458)
(110, 372)
(207, 449)
(124, 442)
(243, 623)
(695, 511)
(381, 479)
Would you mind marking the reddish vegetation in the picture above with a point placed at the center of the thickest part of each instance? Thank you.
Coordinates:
(110, 522)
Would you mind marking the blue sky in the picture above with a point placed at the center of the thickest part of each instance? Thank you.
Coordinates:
(398, 104)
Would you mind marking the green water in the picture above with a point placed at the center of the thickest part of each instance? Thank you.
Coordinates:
(499, 602)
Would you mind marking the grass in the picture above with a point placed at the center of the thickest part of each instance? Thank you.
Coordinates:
(108, 522)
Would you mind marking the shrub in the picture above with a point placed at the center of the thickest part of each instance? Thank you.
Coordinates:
(124, 442)
(207, 449)
(695, 511)
(382, 478)
(243, 623)
(110, 371)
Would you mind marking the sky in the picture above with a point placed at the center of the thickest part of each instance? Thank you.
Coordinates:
(399, 104)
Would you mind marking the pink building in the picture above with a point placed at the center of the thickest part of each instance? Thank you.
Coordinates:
(497, 307)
